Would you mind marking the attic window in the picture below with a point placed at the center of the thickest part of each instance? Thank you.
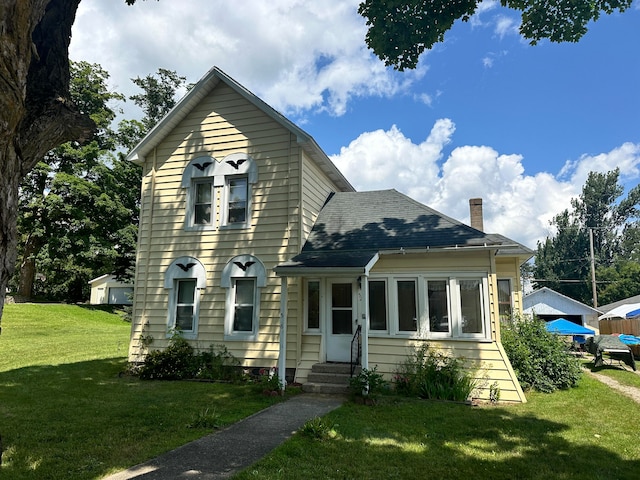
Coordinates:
(218, 192)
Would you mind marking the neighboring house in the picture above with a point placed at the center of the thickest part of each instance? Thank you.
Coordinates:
(108, 290)
(549, 305)
(626, 301)
(251, 237)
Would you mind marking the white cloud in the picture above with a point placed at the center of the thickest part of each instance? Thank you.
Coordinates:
(299, 55)
(517, 205)
(506, 26)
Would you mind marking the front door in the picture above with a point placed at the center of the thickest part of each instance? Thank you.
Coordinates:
(340, 320)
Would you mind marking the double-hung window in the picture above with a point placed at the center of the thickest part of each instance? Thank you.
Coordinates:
(243, 277)
(218, 193)
(244, 293)
(185, 280)
(185, 305)
(203, 208)
(237, 190)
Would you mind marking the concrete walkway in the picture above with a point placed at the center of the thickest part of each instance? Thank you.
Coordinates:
(224, 453)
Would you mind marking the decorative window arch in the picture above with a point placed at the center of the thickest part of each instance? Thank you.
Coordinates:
(184, 279)
(243, 277)
(219, 192)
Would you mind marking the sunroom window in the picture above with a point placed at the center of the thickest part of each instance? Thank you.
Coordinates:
(407, 306)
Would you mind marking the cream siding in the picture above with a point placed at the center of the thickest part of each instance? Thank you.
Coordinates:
(290, 191)
(316, 187)
(223, 123)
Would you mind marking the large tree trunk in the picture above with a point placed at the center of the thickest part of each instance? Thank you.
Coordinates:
(32, 247)
(35, 111)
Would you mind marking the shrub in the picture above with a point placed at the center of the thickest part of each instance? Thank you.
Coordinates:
(434, 375)
(218, 363)
(368, 383)
(176, 362)
(541, 360)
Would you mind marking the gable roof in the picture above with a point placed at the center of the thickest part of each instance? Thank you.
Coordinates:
(547, 296)
(355, 227)
(200, 90)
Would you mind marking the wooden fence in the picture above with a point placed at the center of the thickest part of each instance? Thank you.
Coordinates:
(627, 326)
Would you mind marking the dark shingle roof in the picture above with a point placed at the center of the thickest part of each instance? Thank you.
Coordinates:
(387, 219)
(353, 227)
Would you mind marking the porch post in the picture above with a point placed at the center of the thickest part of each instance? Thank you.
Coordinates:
(282, 357)
(365, 321)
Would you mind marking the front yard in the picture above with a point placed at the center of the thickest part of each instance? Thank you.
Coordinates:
(66, 413)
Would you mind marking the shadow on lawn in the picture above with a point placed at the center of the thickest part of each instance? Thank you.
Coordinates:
(450, 442)
(82, 420)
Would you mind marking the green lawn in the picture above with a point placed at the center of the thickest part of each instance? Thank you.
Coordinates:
(67, 413)
(590, 432)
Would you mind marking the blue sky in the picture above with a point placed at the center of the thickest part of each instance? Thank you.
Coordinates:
(484, 114)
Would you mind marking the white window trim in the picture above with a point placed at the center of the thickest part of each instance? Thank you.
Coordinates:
(242, 267)
(184, 268)
(426, 332)
(484, 307)
(453, 305)
(207, 168)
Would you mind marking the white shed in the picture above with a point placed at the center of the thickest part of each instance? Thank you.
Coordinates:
(108, 290)
(548, 305)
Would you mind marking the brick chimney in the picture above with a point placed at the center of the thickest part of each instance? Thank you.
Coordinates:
(475, 210)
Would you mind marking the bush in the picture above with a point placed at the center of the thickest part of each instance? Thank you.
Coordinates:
(434, 375)
(368, 383)
(541, 360)
(179, 361)
(176, 362)
(218, 363)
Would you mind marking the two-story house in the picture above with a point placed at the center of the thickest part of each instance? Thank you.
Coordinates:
(252, 238)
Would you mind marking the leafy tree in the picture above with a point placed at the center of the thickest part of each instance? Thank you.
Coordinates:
(81, 208)
(65, 172)
(563, 261)
(36, 112)
(400, 30)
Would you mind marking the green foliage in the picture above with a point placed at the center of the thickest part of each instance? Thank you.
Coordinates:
(432, 374)
(541, 360)
(368, 383)
(318, 429)
(206, 419)
(269, 380)
(400, 30)
(218, 363)
(613, 222)
(176, 362)
(180, 361)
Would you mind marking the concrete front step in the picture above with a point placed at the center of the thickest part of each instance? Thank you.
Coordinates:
(329, 378)
(332, 388)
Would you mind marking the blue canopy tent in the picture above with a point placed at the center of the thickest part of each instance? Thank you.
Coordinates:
(562, 326)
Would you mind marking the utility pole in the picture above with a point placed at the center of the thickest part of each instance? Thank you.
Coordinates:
(593, 270)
